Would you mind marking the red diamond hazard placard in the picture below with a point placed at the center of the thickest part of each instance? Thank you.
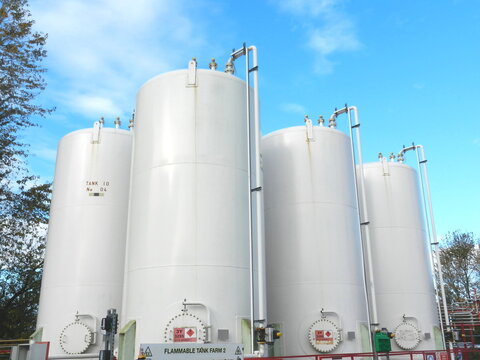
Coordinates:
(185, 334)
(323, 337)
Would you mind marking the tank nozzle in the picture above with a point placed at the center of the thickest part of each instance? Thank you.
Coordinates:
(131, 122)
(321, 120)
(213, 65)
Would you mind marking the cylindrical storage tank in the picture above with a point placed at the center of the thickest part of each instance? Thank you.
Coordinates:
(400, 257)
(187, 269)
(315, 283)
(84, 262)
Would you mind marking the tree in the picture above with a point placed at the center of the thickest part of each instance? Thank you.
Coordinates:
(21, 52)
(23, 230)
(460, 264)
(24, 200)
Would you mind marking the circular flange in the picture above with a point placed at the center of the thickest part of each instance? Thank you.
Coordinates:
(185, 327)
(75, 338)
(407, 336)
(324, 335)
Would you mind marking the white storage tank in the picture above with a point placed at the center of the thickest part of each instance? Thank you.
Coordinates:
(315, 285)
(187, 269)
(83, 271)
(401, 262)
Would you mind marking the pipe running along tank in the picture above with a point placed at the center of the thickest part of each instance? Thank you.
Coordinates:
(83, 271)
(315, 286)
(187, 269)
(399, 252)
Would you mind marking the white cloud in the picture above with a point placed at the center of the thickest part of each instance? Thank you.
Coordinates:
(307, 7)
(100, 52)
(293, 108)
(334, 37)
(91, 106)
(45, 152)
(338, 33)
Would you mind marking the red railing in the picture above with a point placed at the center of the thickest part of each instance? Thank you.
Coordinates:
(458, 354)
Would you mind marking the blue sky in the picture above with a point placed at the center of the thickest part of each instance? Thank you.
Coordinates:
(410, 66)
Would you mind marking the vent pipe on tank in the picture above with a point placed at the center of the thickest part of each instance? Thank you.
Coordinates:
(432, 230)
(363, 217)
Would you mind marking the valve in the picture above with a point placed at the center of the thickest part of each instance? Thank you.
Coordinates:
(267, 335)
(272, 334)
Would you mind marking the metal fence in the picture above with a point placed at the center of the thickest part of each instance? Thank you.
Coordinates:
(455, 354)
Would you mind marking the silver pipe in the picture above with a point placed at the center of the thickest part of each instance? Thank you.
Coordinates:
(363, 217)
(250, 215)
(435, 242)
(422, 165)
(404, 150)
(432, 252)
(366, 228)
(259, 203)
(364, 254)
(255, 198)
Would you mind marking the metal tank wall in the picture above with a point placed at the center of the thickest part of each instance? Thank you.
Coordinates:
(83, 271)
(315, 283)
(188, 227)
(403, 280)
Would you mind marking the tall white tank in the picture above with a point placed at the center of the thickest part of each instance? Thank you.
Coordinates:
(187, 269)
(401, 264)
(83, 271)
(315, 283)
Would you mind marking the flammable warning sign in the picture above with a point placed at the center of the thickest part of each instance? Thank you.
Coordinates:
(185, 334)
(192, 351)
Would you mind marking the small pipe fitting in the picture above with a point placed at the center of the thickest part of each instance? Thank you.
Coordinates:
(332, 123)
(321, 120)
(213, 65)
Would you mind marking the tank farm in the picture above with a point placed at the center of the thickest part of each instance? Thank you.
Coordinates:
(191, 236)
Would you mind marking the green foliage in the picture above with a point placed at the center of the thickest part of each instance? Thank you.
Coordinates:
(461, 265)
(22, 229)
(24, 201)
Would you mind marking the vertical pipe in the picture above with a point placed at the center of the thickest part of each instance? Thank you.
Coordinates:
(435, 241)
(250, 227)
(366, 229)
(258, 197)
(420, 163)
(364, 254)
(256, 234)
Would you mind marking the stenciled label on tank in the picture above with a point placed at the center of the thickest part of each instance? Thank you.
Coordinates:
(97, 187)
